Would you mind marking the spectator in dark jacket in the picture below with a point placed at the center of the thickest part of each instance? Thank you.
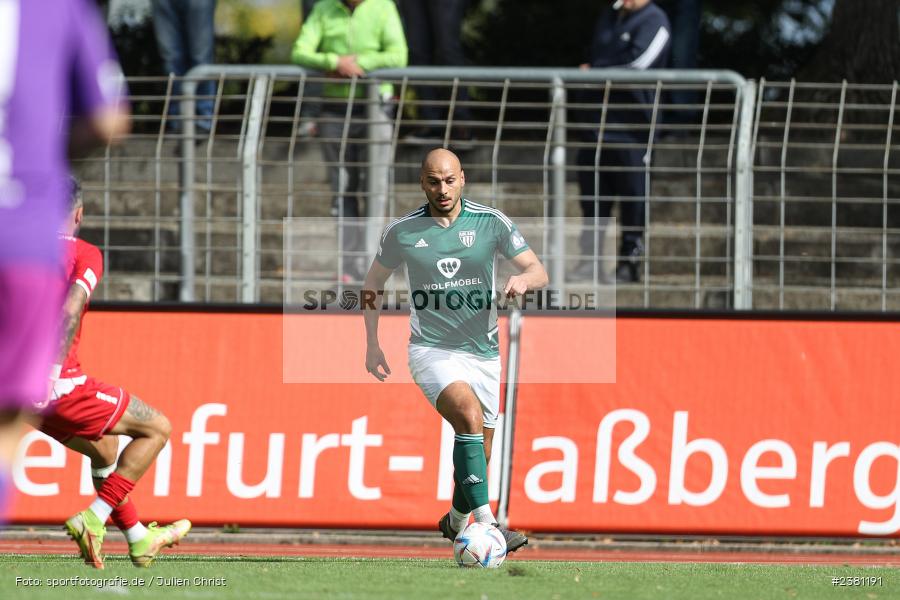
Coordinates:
(632, 34)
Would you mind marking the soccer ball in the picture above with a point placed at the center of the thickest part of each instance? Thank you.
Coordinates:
(480, 545)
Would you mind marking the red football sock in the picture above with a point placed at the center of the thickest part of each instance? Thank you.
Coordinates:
(125, 515)
(114, 489)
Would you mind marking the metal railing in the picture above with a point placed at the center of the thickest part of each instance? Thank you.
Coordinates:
(196, 216)
(262, 80)
(826, 169)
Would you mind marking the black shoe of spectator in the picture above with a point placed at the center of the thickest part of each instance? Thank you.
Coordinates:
(629, 267)
(352, 277)
(354, 272)
(307, 129)
(584, 271)
(462, 138)
(627, 272)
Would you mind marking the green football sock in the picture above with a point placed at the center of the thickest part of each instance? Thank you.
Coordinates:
(471, 468)
(459, 498)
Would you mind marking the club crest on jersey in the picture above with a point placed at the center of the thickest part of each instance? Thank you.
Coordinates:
(448, 266)
(467, 238)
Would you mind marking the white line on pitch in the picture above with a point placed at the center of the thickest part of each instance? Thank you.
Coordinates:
(405, 463)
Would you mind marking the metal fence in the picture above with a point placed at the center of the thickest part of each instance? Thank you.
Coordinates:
(826, 190)
(734, 179)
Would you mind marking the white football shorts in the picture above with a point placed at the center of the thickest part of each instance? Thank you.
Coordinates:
(433, 369)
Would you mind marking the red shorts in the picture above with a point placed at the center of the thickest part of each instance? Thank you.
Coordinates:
(88, 411)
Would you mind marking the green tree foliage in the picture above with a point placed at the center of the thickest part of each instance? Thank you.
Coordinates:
(862, 44)
(770, 38)
(764, 38)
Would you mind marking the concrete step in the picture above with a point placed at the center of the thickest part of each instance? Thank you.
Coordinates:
(661, 290)
(672, 249)
(791, 298)
(128, 287)
(143, 176)
(139, 190)
(807, 253)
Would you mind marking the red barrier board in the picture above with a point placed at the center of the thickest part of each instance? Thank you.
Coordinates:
(712, 426)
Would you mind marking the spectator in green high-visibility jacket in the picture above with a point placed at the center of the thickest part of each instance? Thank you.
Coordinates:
(347, 39)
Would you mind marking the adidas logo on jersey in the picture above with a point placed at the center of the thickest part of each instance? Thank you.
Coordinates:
(421, 243)
(472, 480)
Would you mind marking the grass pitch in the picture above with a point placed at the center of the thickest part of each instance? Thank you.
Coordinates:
(184, 576)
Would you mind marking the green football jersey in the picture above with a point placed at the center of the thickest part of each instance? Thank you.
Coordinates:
(450, 272)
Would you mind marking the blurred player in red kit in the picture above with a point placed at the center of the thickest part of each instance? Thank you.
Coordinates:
(61, 91)
(87, 415)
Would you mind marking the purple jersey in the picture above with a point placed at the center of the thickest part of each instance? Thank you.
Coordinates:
(56, 61)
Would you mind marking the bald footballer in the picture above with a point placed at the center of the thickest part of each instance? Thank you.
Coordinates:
(449, 248)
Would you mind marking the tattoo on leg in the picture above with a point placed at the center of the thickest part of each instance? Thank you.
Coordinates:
(141, 411)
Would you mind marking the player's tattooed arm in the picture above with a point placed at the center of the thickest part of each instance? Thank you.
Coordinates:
(141, 411)
(73, 308)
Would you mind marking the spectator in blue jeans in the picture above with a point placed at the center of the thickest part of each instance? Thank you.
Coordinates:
(185, 36)
(433, 32)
